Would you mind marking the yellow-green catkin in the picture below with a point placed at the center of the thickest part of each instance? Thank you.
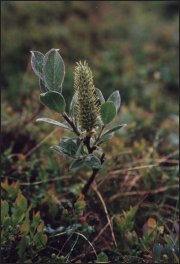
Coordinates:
(87, 109)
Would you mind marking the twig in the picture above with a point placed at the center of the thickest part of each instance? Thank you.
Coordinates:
(91, 179)
(99, 134)
(66, 117)
(72, 248)
(106, 212)
(100, 233)
(59, 234)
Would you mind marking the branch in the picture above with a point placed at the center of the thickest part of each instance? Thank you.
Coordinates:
(90, 150)
(91, 179)
(66, 117)
(87, 143)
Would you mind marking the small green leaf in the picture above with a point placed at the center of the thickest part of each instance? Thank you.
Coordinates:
(53, 70)
(4, 209)
(53, 122)
(157, 251)
(42, 86)
(108, 112)
(114, 129)
(80, 149)
(61, 150)
(68, 146)
(36, 220)
(22, 245)
(37, 60)
(18, 215)
(21, 202)
(72, 105)
(116, 99)
(92, 161)
(40, 240)
(53, 100)
(102, 258)
(104, 138)
(100, 96)
(76, 164)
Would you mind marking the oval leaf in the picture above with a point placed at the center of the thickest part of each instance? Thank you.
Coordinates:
(37, 60)
(102, 258)
(116, 99)
(108, 112)
(53, 100)
(53, 122)
(76, 164)
(104, 138)
(100, 96)
(21, 201)
(92, 162)
(68, 146)
(53, 70)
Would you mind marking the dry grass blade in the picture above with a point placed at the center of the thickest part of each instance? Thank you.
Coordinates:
(141, 193)
(106, 212)
(40, 143)
(87, 241)
(45, 181)
(101, 232)
(113, 174)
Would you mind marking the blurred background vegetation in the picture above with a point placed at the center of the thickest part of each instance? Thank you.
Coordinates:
(131, 46)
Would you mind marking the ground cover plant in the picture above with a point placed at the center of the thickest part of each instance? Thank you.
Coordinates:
(129, 211)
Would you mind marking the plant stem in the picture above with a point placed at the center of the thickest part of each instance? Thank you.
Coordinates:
(91, 179)
(90, 150)
(100, 134)
(66, 117)
(87, 143)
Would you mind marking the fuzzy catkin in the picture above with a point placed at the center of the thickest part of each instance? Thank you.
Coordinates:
(86, 109)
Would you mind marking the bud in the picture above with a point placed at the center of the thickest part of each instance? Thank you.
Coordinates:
(87, 108)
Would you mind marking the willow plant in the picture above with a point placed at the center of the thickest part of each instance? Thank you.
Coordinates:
(89, 116)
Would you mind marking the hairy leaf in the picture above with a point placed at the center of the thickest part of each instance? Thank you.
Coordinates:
(92, 161)
(108, 112)
(76, 164)
(37, 60)
(116, 99)
(69, 146)
(100, 96)
(53, 122)
(114, 129)
(53, 70)
(53, 100)
(104, 138)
